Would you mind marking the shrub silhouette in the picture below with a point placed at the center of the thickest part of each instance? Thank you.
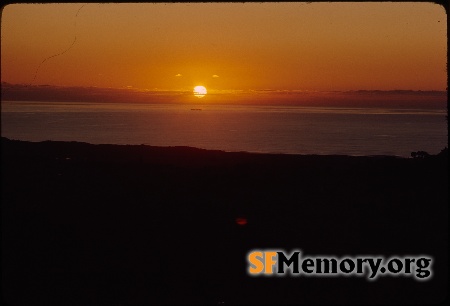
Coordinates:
(420, 154)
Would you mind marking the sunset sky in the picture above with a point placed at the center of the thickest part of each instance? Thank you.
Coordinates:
(227, 46)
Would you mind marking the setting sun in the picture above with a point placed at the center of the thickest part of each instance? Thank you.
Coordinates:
(200, 91)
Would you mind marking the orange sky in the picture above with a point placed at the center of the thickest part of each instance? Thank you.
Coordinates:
(317, 46)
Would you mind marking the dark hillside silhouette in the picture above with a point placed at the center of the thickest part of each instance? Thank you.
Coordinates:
(108, 224)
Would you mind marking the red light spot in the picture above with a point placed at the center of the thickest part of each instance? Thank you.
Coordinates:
(241, 221)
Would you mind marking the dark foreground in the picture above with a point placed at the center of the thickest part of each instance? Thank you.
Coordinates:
(103, 224)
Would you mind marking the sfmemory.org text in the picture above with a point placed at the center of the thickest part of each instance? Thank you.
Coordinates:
(279, 263)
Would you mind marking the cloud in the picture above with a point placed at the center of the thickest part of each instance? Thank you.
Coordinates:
(215, 76)
(178, 75)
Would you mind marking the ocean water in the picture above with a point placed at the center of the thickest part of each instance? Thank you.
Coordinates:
(265, 129)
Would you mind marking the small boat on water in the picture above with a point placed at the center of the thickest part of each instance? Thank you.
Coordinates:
(196, 109)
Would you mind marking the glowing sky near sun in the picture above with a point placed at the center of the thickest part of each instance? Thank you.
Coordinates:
(173, 46)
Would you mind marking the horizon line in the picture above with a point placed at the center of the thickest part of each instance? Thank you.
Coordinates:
(223, 91)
